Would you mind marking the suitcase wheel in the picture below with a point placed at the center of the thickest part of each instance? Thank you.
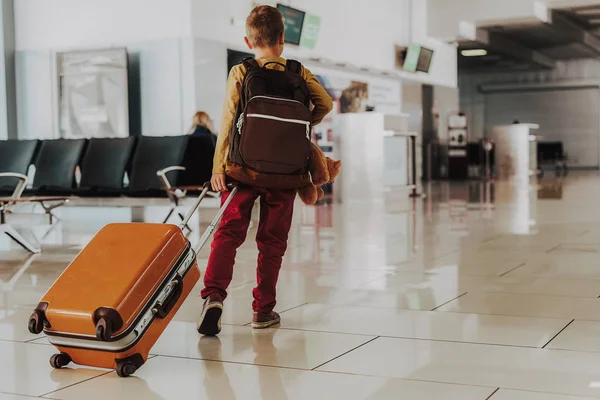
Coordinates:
(125, 369)
(36, 322)
(60, 360)
(104, 329)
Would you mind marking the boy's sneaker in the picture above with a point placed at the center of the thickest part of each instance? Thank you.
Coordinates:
(262, 321)
(210, 320)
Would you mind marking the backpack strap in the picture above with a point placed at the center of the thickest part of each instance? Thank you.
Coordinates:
(294, 66)
(249, 63)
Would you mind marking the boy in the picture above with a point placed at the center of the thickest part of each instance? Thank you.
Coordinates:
(265, 35)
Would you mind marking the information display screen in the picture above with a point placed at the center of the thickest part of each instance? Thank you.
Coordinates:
(424, 60)
(293, 22)
(418, 58)
(412, 58)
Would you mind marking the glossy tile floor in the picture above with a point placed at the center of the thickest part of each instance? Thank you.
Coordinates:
(476, 292)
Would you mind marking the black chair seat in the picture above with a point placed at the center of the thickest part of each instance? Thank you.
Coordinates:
(55, 167)
(146, 193)
(103, 166)
(48, 191)
(98, 192)
(6, 193)
(151, 155)
(15, 156)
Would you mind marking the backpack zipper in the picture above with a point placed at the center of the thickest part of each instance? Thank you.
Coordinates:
(271, 117)
(275, 98)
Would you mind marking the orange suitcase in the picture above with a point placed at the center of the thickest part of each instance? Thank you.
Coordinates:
(112, 303)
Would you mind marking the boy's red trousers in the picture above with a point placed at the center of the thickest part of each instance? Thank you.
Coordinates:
(276, 209)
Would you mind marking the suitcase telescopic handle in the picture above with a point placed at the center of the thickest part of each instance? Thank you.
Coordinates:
(207, 187)
(233, 188)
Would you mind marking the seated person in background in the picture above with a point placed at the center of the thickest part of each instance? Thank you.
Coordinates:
(202, 125)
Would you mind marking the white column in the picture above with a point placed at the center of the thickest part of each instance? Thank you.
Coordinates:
(512, 152)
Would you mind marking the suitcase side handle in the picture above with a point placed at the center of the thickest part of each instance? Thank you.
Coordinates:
(162, 310)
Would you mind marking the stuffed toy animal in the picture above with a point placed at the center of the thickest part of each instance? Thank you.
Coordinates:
(322, 170)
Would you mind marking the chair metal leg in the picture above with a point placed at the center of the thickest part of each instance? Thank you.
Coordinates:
(52, 228)
(17, 237)
(171, 211)
(49, 208)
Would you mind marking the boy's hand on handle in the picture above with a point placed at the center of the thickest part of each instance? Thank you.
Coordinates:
(218, 183)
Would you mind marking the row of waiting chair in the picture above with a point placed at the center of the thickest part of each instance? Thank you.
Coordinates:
(104, 163)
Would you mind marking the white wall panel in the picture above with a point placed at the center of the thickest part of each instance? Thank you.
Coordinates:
(569, 116)
(66, 24)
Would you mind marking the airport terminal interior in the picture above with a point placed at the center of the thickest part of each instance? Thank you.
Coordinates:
(455, 256)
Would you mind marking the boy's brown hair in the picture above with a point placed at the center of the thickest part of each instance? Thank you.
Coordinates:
(264, 26)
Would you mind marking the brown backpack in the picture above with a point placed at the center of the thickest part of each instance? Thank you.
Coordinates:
(269, 144)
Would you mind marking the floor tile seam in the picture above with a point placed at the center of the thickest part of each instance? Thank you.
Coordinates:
(361, 306)
(553, 248)
(320, 371)
(596, 352)
(559, 332)
(518, 316)
(446, 254)
(241, 284)
(223, 323)
(512, 269)
(491, 239)
(20, 395)
(346, 353)
(232, 362)
(541, 392)
(290, 329)
(45, 395)
(407, 379)
(281, 312)
(328, 332)
(441, 274)
(18, 341)
(551, 349)
(40, 343)
(565, 248)
(353, 270)
(293, 308)
(438, 311)
(493, 393)
(562, 296)
(517, 346)
(553, 278)
(582, 233)
(448, 302)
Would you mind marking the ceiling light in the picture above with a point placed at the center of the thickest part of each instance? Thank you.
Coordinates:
(474, 53)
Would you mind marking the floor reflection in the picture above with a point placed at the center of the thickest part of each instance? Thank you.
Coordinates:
(470, 268)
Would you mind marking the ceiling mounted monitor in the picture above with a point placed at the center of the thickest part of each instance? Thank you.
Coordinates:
(425, 60)
(418, 58)
(293, 21)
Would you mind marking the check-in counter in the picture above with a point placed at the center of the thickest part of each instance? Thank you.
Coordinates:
(378, 154)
